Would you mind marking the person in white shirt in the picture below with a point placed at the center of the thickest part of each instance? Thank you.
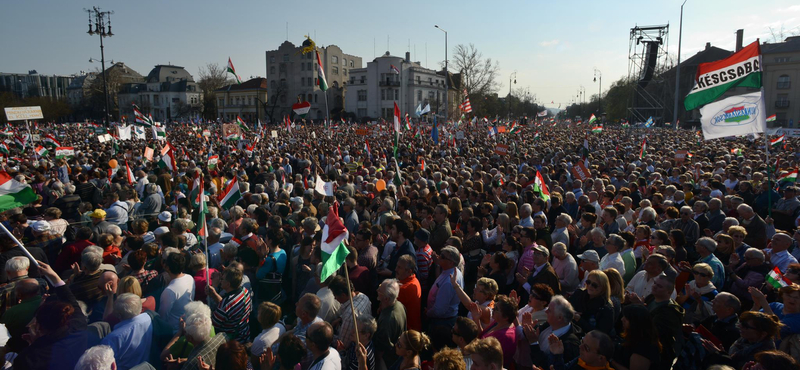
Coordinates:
(566, 267)
(641, 285)
(269, 315)
(319, 340)
(178, 293)
(560, 234)
(613, 259)
(329, 307)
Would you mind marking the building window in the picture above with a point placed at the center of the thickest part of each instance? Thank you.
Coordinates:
(351, 64)
(221, 102)
(302, 66)
(283, 82)
(308, 66)
(282, 68)
(352, 80)
(335, 59)
(344, 71)
(273, 85)
(363, 79)
(783, 101)
(782, 59)
(396, 94)
(430, 81)
(418, 80)
(308, 97)
(316, 98)
(272, 59)
(784, 82)
(308, 56)
(780, 119)
(419, 95)
(344, 62)
(383, 94)
(335, 70)
(362, 95)
(285, 57)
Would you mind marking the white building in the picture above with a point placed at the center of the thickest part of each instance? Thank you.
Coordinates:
(168, 93)
(374, 90)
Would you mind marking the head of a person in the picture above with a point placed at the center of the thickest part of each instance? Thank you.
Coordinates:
(449, 257)
(597, 285)
(638, 326)
(703, 273)
(268, 314)
(505, 310)
(127, 306)
(129, 284)
(319, 337)
(725, 305)
(790, 295)
(53, 316)
(464, 331)
(388, 291)
(663, 287)
(614, 243)
(291, 351)
(406, 267)
(340, 287)
(175, 263)
(17, 266)
(559, 312)
(596, 349)
(91, 258)
(232, 278)
(198, 328)
(99, 357)
(705, 246)
(411, 343)
(449, 359)
(307, 307)
(757, 326)
(367, 326)
(780, 242)
(775, 360)
(486, 354)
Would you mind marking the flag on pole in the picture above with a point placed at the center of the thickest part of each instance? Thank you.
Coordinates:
(649, 122)
(426, 110)
(240, 122)
(41, 151)
(466, 106)
(777, 141)
(129, 173)
(50, 140)
(4, 149)
(140, 118)
(540, 187)
(212, 161)
(230, 195)
(597, 129)
(398, 176)
(643, 150)
(776, 279)
(366, 148)
(772, 118)
(536, 136)
(202, 228)
(168, 159)
(734, 115)
(788, 177)
(321, 81)
(408, 122)
(20, 142)
(301, 109)
(396, 118)
(159, 133)
(737, 151)
(13, 193)
(713, 79)
(232, 71)
(332, 246)
(592, 119)
(394, 69)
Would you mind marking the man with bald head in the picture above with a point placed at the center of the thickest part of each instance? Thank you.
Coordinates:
(779, 251)
(107, 283)
(755, 226)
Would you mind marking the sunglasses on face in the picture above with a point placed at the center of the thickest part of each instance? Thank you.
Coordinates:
(700, 273)
(593, 284)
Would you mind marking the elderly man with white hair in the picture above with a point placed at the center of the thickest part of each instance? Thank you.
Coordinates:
(755, 226)
(391, 321)
(198, 332)
(560, 233)
(131, 337)
(566, 267)
(100, 357)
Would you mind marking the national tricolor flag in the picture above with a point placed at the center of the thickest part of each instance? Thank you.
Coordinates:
(776, 279)
(536, 136)
(408, 122)
(713, 79)
(240, 122)
(41, 151)
(230, 195)
(213, 160)
(129, 173)
(4, 148)
(50, 140)
(789, 177)
(592, 119)
(737, 151)
(643, 149)
(13, 193)
(332, 246)
(394, 69)
(772, 118)
(20, 142)
(232, 71)
(168, 159)
(777, 141)
(540, 187)
(366, 148)
(597, 129)
(514, 128)
(321, 81)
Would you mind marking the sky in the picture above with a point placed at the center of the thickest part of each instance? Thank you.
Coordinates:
(553, 46)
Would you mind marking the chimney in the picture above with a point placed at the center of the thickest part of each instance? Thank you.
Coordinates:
(408, 57)
(708, 45)
(739, 37)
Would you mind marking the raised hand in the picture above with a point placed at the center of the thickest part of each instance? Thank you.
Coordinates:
(514, 297)
(556, 345)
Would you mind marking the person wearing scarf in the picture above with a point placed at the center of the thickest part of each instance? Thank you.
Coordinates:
(697, 295)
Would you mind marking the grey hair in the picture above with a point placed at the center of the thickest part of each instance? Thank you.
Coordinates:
(181, 224)
(236, 212)
(731, 221)
(17, 264)
(451, 253)
(755, 253)
(198, 326)
(562, 307)
(708, 243)
(150, 189)
(128, 306)
(565, 218)
(617, 240)
(100, 357)
(391, 288)
(702, 204)
(687, 209)
(168, 251)
(91, 259)
(526, 208)
(730, 301)
(560, 247)
(114, 230)
(648, 211)
(367, 323)
(69, 189)
(598, 230)
(230, 248)
(197, 308)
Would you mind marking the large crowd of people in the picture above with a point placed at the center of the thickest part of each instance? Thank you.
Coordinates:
(546, 247)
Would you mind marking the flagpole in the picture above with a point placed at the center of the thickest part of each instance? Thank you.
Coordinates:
(24, 250)
(352, 307)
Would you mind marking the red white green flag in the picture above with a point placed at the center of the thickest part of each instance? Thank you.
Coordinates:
(41, 151)
(301, 108)
(4, 149)
(321, 81)
(772, 118)
(776, 279)
(777, 141)
(129, 173)
(643, 150)
(231, 195)
(713, 79)
(737, 151)
(592, 119)
(232, 71)
(332, 246)
(240, 122)
(50, 140)
(540, 187)
(789, 177)
(13, 193)
(597, 129)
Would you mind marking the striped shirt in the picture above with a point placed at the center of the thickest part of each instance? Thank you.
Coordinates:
(363, 307)
(424, 262)
(232, 315)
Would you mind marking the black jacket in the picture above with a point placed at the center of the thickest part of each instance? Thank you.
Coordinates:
(726, 331)
(572, 343)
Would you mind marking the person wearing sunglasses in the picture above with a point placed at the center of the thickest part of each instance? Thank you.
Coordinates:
(697, 295)
(593, 307)
(758, 332)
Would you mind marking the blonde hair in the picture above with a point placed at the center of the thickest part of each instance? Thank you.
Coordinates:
(449, 359)
(705, 268)
(615, 283)
(417, 342)
(490, 285)
(129, 284)
(489, 349)
(602, 279)
(268, 314)
(737, 229)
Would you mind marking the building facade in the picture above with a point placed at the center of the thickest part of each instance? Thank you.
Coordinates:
(781, 66)
(293, 77)
(32, 84)
(247, 100)
(375, 88)
(168, 93)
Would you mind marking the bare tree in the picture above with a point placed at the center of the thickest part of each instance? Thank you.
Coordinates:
(780, 34)
(478, 75)
(212, 77)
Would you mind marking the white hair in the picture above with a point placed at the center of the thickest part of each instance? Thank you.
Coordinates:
(198, 326)
(167, 251)
(99, 357)
(17, 264)
(391, 288)
(196, 308)
(127, 306)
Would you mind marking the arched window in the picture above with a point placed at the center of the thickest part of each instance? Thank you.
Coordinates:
(784, 82)
(272, 70)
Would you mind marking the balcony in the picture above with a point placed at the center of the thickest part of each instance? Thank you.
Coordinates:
(782, 104)
(389, 83)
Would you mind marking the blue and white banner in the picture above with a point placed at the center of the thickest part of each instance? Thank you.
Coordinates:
(733, 116)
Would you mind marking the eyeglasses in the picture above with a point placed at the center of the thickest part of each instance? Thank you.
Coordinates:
(593, 284)
(686, 214)
(585, 347)
(703, 274)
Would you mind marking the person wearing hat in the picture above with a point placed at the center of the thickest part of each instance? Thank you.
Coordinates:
(99, 223)
(424, 256)
(45, 239)
(542, 272)
(590, 260)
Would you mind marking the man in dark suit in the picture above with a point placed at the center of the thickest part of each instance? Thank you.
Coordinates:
(559, 322)
(700, 208)
(755, 226)
(724, 323)
(542, 272)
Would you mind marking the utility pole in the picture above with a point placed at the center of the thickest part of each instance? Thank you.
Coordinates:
(101, 20)
(678, 71)
(446, 75)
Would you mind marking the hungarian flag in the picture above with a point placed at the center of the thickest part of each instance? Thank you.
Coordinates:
(212, 161)
(514, 128)
(232, 71)
(776, 279)
(772, 118)
(398, 175)
(597, 129)
(231, 195)
(540, 187)
(592, 119)
(140, 118)
(408, 122)
(536, 136)
(129, 173)
(4, 149)
(643, 150)
(13, 193)
(301, 108)
(394, 69)
(159, 133)
(332, 246)
(737, 151)
(65, 151)
(321, 81)
(240, 122)
(20, 142)
(789, 177)
(202, 228)
(50, 140)
(168, 159)
(366, 148)
(288, 123)
(777, 141)
(41, 151)
(713, 79)
(625, 125)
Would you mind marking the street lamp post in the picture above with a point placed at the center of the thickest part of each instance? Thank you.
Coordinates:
(598, 75)
(101, 20)
(512, 77)
(446, 75)
(678, 71)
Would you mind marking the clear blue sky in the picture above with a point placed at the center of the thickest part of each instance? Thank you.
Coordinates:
(553, 45)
